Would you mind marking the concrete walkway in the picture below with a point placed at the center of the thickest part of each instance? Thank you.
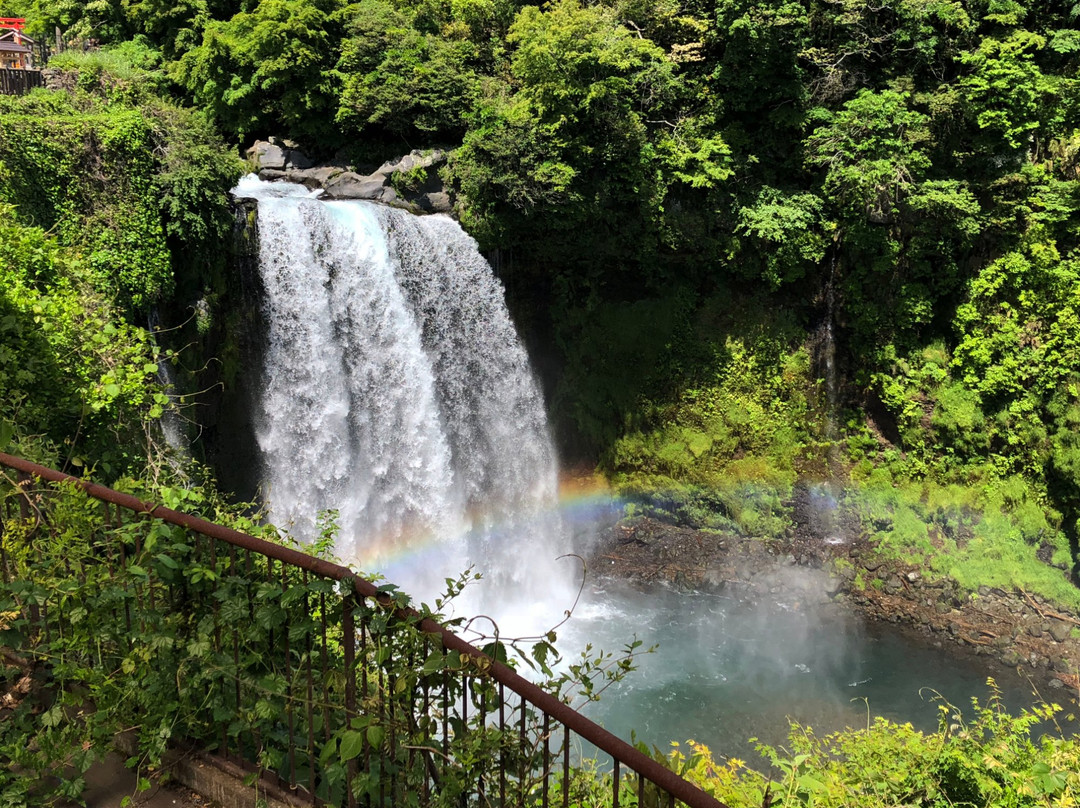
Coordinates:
(219, 785)
(109, 782)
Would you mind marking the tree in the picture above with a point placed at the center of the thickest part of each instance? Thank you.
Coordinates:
(269, 68)
(401, 80)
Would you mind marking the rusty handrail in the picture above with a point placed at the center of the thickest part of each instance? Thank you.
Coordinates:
(599, 737)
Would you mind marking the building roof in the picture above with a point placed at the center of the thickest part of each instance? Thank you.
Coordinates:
(11, 35)
(11, 47)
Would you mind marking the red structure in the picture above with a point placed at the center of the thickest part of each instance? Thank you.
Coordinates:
(16, 52)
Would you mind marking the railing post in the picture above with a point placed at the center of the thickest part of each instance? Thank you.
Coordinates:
(349, 642)
(22, 485)
(4, 515)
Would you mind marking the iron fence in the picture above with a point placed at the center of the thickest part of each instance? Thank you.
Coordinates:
(312, 675)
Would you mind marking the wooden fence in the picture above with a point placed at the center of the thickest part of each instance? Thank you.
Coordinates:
(18, 82)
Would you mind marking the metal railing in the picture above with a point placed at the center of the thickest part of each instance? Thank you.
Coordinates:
(336, 662)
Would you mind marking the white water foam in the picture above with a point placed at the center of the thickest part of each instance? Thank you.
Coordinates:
(396, 391)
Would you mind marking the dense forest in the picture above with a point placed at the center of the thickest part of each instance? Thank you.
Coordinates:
(692, 207)
(750, 243)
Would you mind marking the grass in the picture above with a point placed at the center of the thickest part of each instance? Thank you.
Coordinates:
(985, 534)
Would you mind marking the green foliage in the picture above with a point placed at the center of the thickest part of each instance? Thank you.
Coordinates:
(133, 184)
(870, 152)
(1005, 87)
(402, 80)
(72, 370)
(700, 416)
(981, 530)
(172, 637)
(571, 146)
(623, 355)
(1003, 396)
(1020, 329)
(787, 231)
(730, 397)
(109, 198)
(993, 758)
(268, 67)
(121, 232)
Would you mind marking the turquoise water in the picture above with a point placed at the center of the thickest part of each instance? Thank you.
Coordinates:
(724, 672)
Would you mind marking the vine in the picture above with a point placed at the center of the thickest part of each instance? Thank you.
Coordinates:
(128, 623)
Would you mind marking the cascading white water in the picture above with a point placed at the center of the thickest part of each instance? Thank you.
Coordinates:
(395, 390)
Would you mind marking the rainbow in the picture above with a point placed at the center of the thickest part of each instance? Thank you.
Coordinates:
(583, 500)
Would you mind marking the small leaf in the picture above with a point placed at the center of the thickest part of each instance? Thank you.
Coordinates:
(352, 744)
(329, 751)
(433, 663)
(375, 735)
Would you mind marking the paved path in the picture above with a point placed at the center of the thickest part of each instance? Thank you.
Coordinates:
(109, 782)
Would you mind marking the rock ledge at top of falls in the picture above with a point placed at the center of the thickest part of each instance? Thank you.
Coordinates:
(408, 182)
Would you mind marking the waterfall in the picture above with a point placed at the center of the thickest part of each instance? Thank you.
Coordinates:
(828, 350)
(818, 502)
(394, 390)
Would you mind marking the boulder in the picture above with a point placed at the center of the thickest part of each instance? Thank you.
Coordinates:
(1060, 631)
(297, 160)
(437, 202)
(278, 159)
(314, 178)
(413, 160)
(348, 185)
(276, 154)
(266, 155)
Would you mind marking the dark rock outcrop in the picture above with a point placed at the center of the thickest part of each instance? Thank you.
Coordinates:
(411, 182)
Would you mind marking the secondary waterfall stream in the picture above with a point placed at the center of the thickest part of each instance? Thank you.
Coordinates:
(395, 392)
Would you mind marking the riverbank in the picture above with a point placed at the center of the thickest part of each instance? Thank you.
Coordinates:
(1016, 629)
